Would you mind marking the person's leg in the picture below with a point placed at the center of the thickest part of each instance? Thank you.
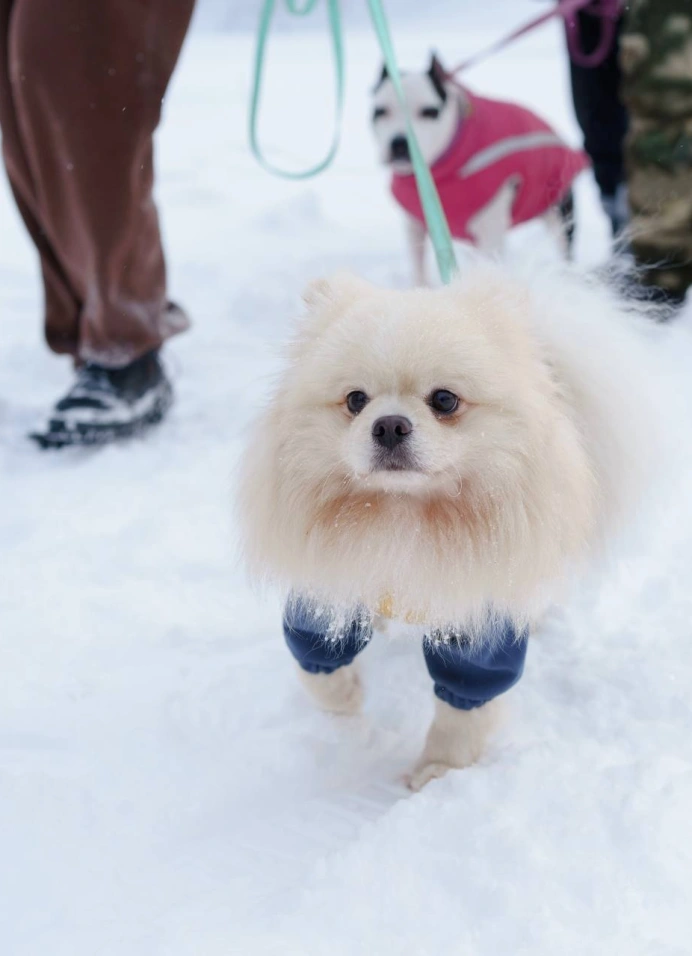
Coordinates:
(81, 86)
(86, 84)
(325, 659)
(61, 306)
(469, 677)
(602, 118)
(657, 89)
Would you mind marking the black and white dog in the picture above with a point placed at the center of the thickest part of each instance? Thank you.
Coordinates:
(495, 164)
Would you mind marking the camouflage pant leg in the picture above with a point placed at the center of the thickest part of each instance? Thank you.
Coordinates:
(656, 63)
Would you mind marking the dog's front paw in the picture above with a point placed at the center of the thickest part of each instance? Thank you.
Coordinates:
(456, 739)
(423, 773)
(340, 692)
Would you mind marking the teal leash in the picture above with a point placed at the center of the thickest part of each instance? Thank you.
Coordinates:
(298, 9)
(435, 219)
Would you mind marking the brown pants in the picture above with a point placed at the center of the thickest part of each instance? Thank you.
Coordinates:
(81, 84)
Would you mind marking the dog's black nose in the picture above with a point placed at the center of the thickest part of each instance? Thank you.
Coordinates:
(398, 148)
(391, 430)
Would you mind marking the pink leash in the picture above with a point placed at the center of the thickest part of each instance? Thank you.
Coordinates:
(608, 10)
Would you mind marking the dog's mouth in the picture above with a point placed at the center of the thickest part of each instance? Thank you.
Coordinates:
(398, 164)
(396, 466)
(398, 461)
(400, 169)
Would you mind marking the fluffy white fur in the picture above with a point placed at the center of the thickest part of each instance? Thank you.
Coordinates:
(512, 492)
(504, 499)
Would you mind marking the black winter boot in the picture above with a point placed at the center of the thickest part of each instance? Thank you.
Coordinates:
(106, 404)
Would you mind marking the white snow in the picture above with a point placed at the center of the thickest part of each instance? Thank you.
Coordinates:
(165, 789)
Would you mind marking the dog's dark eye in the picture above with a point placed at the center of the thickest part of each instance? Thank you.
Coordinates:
(356, 402)
(429, 112)
(443, 402)
(380, 112)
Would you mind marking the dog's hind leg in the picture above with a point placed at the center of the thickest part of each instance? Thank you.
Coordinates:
(417, 234)
(491, 224)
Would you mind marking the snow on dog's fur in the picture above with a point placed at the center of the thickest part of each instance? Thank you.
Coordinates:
(492, 506)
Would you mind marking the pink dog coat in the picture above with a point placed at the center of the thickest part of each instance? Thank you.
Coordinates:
(496, 142)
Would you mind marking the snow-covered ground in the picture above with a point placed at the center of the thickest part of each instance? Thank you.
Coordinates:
(165, 789)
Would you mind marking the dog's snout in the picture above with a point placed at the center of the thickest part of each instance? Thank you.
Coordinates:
(399, 148)
(391, 430)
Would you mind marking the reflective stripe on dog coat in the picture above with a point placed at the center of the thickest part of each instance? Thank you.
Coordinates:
(497, 142)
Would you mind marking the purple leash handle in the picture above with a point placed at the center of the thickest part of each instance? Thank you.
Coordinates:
(608, 11)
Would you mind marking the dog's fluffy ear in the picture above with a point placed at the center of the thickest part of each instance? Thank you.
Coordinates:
(438, 76)
(339, 289)
(326, 299)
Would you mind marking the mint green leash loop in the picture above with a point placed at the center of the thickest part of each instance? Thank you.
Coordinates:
(300, 10)
(435, 219)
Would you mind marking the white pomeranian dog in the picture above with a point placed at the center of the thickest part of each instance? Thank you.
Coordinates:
(449, 457)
